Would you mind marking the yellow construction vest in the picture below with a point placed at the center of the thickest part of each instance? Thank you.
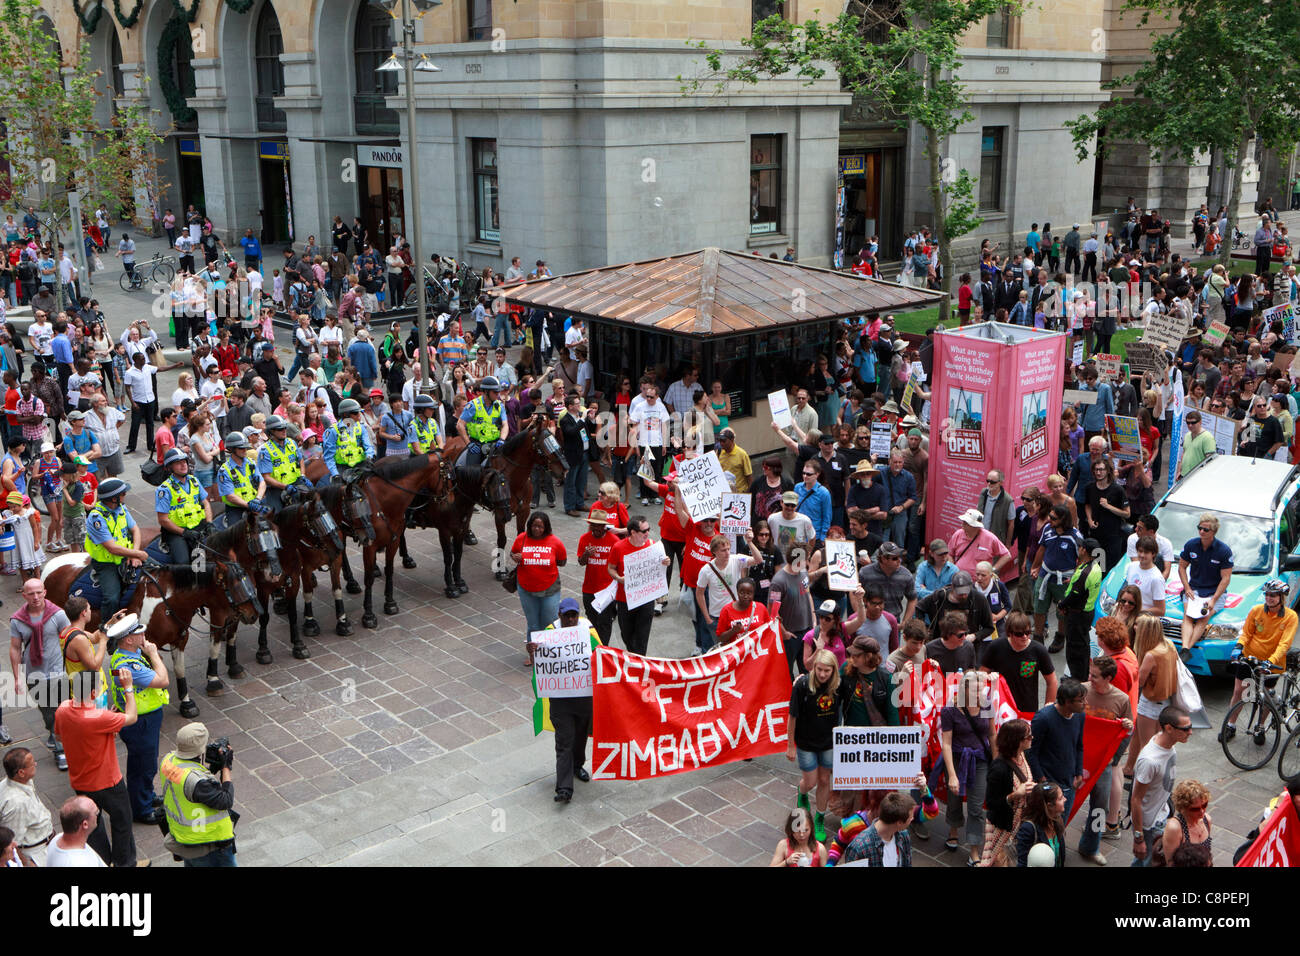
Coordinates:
(186, 510)
(426, 435)
(284, 463)
(242, 479)
(117, 527)
(348, 450)
(485, 426)
(190, 822)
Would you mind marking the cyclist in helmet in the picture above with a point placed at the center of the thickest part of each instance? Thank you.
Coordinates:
(1266, 635)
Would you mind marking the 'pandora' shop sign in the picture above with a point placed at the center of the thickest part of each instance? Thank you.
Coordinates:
(389, 156)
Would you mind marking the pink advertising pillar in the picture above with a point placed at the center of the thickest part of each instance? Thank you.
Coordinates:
(995, 403)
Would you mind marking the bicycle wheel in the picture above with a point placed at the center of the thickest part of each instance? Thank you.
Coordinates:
(412, 294)
(1288, 762)
(1258, 732)
(124, 281)
(164, 271)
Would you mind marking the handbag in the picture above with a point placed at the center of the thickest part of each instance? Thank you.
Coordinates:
(511, 581)
(153, 473)
(1186, 694)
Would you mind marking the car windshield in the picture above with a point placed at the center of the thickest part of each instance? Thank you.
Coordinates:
(1251, 539)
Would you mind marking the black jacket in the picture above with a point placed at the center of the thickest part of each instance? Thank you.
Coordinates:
(979, 616)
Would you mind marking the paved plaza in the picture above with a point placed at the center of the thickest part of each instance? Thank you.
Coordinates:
(412, 744)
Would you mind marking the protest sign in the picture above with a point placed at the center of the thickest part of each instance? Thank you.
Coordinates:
(918, 371)
(1079, 396)
(646, 469)
(735, 514)
(1216, 335)
(1077, 356)
(562, 662)
(1107, 366)
(643, 575)
(909, 390)
(1284, 313)
(654, 717)
(1166, 331)
(1125, 443)
(841, 566)
(882, 438)
(702, 483)
(1222, 428)
(876, 758)
(1278, 843)
(604, 597)
(779, 403)
(1145, 357)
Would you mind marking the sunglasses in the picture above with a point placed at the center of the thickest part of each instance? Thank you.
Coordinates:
(1200, 807)
(992, 481)
(1129, 601)
(1019, 633)
(1204, 529)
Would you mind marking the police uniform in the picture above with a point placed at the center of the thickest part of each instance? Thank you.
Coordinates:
(483, 424)
(238, 479)
(141, 738)
(102, 525)
(425, 436)
(182, 501)
(281, 463)
(346, 445)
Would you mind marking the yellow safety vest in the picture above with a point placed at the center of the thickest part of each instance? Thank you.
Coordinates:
(117, 527)
(426, 438)
(189, 822)
(147, 699)
(242, 479)
(348, 450)
(485, 426)
(186, 510)
(284, 462)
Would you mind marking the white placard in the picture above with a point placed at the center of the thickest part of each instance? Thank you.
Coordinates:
(604, 597)
(702, 483)
(643, 576)
(882, 439)
(1077, 357)
(779, 403)
(1079, 396)
(562, 662)
(841, 566)
(735, 514)
(918, 371)
(876, 758)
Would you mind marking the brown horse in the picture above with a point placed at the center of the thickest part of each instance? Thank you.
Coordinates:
(389, 485)
(167, 608)
(532, 445)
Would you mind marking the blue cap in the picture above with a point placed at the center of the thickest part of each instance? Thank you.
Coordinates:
(570, 605)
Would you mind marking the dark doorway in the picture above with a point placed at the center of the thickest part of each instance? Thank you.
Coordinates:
(191, 181)
(382, 206)
(275, 203)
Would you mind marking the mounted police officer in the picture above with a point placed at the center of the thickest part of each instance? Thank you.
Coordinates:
(347, 444)
(198, 800)
(182, 506)
(150, 679)
(238, 481)
(485, 426)
(279, 462)
(425, 436)
(112, 537)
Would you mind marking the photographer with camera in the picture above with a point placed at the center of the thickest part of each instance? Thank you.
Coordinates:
(197, 799)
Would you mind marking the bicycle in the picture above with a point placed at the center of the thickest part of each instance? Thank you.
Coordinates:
(1288, 762)
(1270, 703)
(160, 270)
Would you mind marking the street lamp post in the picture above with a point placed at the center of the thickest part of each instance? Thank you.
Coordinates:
(408, 63)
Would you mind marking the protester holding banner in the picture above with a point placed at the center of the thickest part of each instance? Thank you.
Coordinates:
(1281, 810)
(866, 699)
(741, 615)
(569, 717)
(540, 555)
(633, 622)
(594, 548)
(1008, 783)
(1107, 702)
(814, 714)
(964, 737)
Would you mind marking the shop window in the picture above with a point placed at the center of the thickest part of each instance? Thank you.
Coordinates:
(765, 174)
(992, 139)
(487, 213)
(480, 19)
(372, 44)
(269, 70)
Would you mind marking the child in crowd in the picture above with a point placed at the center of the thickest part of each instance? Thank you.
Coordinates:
(50, 473)
(74, 509)
(25, 521)
(119, 370)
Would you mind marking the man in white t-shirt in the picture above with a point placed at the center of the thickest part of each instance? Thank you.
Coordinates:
(41, 334)
(648, 421)
(1147, 577)
(78, 817)
(1153, 781)
(1149, 525)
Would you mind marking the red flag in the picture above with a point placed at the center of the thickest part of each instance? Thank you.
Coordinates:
(1101, 738)
(1278, 843)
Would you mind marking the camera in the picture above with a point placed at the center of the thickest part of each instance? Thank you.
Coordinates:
(219, 755)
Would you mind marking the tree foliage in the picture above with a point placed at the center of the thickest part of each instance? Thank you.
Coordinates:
(904, 56)
(1226, 74)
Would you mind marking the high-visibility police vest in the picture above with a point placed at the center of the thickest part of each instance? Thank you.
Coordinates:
(348, 450)
(284, 463)
(147, 699)
(244, 477)
(426, 435)
(117, 527)
(190, 822)
(186, 510)
(485, 426)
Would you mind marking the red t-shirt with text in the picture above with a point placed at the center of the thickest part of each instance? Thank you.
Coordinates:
(597, 576)
(539, 569)
(754, 617)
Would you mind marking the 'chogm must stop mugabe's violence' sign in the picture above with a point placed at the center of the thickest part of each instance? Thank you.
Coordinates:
(653, 717)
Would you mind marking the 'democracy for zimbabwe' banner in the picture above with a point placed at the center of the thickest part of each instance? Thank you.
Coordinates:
(653, 716)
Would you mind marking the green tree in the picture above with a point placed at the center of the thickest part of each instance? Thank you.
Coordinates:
(54, 144)
(1226, 74)
(903, 55)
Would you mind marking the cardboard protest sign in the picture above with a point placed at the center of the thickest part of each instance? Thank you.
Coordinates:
(643, 576)
(1107, 366)
(779, 403)
(1223, 429)
(562, 662)
(1079, 396)
(1284, 313)
(654, 717)
(1077, 356)
(882, 439)
(735, 514)
(702, 483)
(909, 391)
(876, 758)
(1216, 335)
(1166, 331)
(1145, 357)
(1125, 443)
(841, 566)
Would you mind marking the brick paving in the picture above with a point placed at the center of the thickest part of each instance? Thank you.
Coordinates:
(412, 744)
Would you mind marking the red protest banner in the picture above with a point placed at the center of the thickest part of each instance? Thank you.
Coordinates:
(1278, 843)
(653, 716)
(1101, 738)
